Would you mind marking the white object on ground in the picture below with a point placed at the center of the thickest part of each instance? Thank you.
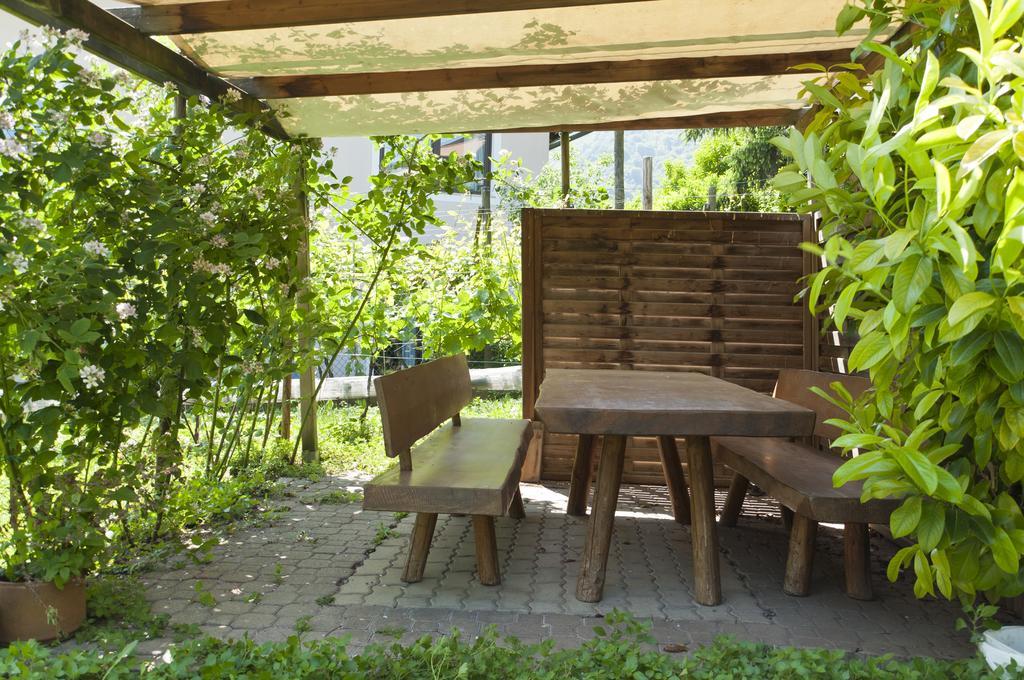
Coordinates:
(999, 647)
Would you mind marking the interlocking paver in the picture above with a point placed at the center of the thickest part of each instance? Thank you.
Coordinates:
(323, 561)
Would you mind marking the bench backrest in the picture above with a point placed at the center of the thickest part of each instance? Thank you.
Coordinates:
(794, 385)
(414, 401)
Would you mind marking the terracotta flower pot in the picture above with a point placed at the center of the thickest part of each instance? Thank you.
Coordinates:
(40, 611)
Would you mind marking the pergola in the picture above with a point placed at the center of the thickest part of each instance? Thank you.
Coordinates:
(359, 68)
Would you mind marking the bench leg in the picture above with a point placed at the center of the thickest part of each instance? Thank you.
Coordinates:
(579, 482)
(734, 501)
(801, 556)
(674, 479)
(787, 518)
(516, 509)
(486, 550)
(857, 561)
(419, 546)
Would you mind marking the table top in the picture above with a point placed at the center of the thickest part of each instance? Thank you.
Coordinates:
(575, 401)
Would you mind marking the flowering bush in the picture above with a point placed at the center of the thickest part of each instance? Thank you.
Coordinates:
(141, 258)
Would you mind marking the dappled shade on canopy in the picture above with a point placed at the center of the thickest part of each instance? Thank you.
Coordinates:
(360, 67)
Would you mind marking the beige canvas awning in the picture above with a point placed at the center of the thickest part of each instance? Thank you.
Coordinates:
(370, 67)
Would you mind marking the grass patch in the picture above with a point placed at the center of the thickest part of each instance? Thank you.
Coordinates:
(349, 441)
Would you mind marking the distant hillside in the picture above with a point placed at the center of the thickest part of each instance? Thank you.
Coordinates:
(662, 145)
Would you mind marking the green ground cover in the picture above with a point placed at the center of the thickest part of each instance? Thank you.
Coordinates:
(623, 648)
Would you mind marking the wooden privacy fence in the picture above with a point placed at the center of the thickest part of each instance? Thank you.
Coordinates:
(648, 290)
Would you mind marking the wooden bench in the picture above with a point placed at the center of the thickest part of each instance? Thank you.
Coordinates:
(469, 466)
(799, 476)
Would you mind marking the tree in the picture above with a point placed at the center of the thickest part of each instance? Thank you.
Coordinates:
(917, 171)
(738, 163)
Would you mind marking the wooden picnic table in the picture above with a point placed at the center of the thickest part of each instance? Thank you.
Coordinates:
(618, 404)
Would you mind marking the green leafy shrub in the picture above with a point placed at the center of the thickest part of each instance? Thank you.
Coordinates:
(622, 650)
(917, 170)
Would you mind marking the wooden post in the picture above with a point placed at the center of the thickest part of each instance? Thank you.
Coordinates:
(648, 188)
(674, 479)
(307, 378)
(517, 509)
(707, 586)
(712, 198)
(533, 338)
(483, 216)
(857, 561)
(800, 559)
(811, 332)
(619, 154)
(487, 569)
(734, 501)
(419, 546)
(286, 407)
(579, 482)
(590, 584)
(565, 169)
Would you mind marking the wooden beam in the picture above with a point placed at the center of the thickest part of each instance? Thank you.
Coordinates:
(534, 75)
(724, 119)
(120, 44)
(241, 15)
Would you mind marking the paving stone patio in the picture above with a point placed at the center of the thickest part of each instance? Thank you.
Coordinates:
(332, 569)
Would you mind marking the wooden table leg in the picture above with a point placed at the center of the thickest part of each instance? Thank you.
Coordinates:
(579, 483)
(674, 479)
(590, 585)
(706, 580)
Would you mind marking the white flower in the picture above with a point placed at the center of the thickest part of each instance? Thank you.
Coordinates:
(204, 100)
(209, 218)
(219, 241)
(198, 188)
(98, 139)
(257, 192)
(33, 223)
(202, 265)
(91, 78)
(6, 121)
(197, 335)
(221, 269)
(76, 35)
(18, 261)
(12, 148)
(272, 262)
(232, 95)
(125, 310)
(96, 249)
(91, 375)
(59, 117)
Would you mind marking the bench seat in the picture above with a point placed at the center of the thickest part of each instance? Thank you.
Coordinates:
(463, 466)
(468, 469)
(800, 477)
